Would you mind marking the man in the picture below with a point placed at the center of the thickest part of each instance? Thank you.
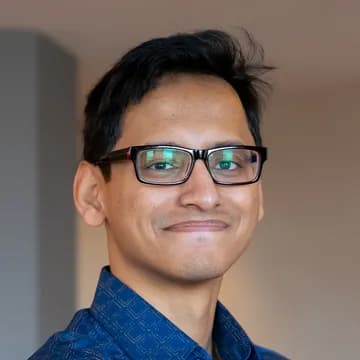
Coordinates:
(172, 163)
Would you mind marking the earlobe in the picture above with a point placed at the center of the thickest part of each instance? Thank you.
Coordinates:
(87, 194)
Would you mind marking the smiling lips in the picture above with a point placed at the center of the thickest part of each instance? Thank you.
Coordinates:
(193, 226)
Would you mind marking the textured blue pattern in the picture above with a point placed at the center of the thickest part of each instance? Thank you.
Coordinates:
(121, 325)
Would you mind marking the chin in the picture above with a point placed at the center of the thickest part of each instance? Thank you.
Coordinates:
(199, 257)
(199, 270)
(200, 276)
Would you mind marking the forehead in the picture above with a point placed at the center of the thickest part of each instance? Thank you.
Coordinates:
(190, 110)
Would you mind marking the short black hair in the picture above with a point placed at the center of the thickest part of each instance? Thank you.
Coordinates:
(209, 52)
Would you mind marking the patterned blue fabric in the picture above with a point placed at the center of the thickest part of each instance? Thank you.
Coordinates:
(120, 325)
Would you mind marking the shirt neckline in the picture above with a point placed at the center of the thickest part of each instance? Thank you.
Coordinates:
(142, 331)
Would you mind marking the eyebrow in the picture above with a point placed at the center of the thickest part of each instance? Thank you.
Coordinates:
(217, 144)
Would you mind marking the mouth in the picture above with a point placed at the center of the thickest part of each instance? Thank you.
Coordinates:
(201, 226)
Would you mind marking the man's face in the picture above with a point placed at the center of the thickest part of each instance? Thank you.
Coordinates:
(196, 230)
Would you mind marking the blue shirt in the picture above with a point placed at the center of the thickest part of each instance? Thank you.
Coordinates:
(120, 325)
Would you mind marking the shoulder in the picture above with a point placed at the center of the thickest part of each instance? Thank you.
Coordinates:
(267, 354)
(66, 345)
(82, 339)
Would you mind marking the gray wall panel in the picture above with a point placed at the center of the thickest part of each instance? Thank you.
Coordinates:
(37, 151)
(56, 222)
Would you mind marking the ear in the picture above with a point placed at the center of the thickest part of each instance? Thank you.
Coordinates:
(87, 193)
(261, 202)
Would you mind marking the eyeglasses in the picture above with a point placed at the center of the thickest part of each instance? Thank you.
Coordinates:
(171, 165)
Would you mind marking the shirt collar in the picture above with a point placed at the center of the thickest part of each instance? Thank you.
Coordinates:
(144, 333)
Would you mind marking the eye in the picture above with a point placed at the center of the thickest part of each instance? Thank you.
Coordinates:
(227, 165)
(161, 165)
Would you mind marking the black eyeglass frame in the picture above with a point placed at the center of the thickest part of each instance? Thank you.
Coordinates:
(130, 153)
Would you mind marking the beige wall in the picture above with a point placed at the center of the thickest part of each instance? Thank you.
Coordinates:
(297, 288)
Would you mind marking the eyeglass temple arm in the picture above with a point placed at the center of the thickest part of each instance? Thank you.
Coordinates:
(117, 155)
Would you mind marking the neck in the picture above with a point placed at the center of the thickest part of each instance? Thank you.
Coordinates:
(191, 307)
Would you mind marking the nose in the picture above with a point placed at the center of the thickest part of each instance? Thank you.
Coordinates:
(199, 190)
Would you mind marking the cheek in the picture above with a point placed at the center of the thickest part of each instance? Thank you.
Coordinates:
(121, 201)
(247, 203)
(136, 207)
(151, 206)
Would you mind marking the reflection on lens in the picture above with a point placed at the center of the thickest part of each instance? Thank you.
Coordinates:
(234, 165)
(163, 165)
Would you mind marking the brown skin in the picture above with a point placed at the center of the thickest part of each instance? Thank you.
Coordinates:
(178, 269)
